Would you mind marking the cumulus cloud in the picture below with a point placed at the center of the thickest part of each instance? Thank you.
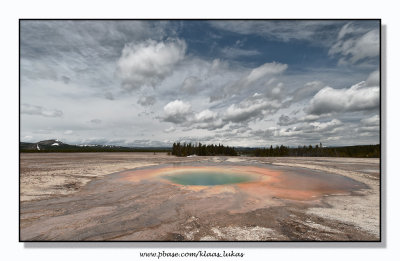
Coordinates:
(305, 133)
(275, 92)
(264, 70)
(148, 63)
(265, 134)
(205, 115)
(180, 113)
(326, 126)
(207, 119)
(80, 52)
(39, 110)
(250, 110)
(177, 112)
(359, 97)
(355, 48)
(91, 60)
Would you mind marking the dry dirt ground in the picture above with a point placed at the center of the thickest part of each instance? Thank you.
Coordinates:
(98, 196)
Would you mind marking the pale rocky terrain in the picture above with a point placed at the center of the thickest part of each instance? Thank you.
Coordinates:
(96, 196)
(46, 175)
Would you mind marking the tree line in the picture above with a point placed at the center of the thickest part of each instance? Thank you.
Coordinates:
(187, 149)
(360, 151)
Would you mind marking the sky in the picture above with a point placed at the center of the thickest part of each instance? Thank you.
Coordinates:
(237, 82)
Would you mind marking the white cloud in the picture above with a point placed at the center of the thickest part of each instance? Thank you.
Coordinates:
(285, 120)
(357, 48)
(39, 110)
(180, 113)
(309, 90)
(205, 115)
(280, 30)
(264, 70)
(312, 117)
(169, 130)
(326, 126)
(234, 52)
(369, 131)
(252, 78)
(373, 79)
(218, 65)
(305, 133)
(369, 127)
(177, 107)
(249, 110)
(27, 138)
(148, 63)
(372, 121)
(348, 29)
(82, 66)
(357, 98)
(177, 111)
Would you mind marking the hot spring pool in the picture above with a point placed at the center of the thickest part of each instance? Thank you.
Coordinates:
(207, 177)
(258, 181)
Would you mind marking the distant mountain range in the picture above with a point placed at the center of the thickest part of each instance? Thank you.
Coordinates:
(55, 145)
(58, 146)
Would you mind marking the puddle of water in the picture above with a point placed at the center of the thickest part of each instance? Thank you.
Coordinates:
(207, 178)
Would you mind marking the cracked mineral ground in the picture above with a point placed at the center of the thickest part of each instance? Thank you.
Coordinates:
(147, 197)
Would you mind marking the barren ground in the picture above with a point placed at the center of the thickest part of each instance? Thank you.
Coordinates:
(76, 196)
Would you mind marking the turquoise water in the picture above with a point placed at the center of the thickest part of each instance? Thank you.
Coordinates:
(208, 178)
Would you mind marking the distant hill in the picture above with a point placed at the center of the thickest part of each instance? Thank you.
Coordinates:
(359, 151)
(58, 146)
